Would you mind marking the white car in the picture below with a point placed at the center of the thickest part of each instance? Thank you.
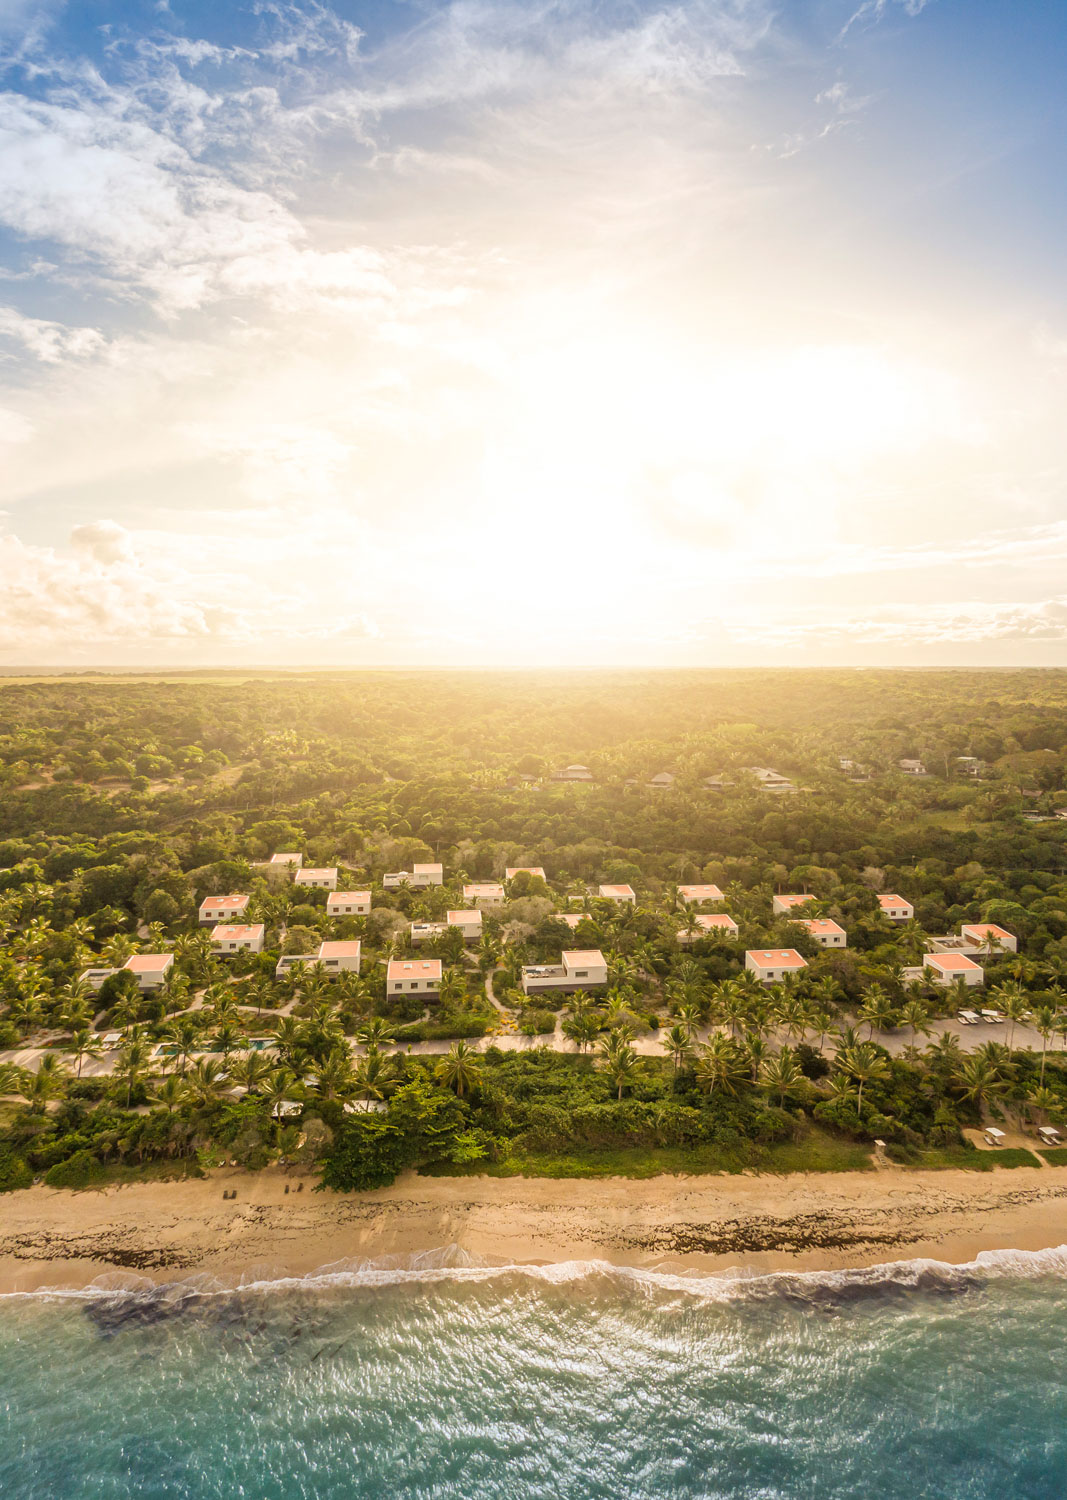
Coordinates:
(967, 1018)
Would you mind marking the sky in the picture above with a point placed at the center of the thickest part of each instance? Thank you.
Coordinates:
(567, 332)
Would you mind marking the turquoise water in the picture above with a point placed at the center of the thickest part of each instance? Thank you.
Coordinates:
(440, 1379)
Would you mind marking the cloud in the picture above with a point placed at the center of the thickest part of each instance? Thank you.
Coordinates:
(48, 341)
(972, 622)
(873, 11)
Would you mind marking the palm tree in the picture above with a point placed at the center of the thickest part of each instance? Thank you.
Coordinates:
(375, 1074)
(979, 1079)
(252, 1071)
(184, 1036)
(49, 1082)
(171, 1093)
(1044, 1024)
(460, 1068)
(916, 1016)
(376, 1032)
(132, 1063)
(334, 1078)
(678, 1044)
(282, 1087)
(205, 1082)
(865, 1063)
(582, 1028)
(1013, 1003)
(118, 949)
(453, 987)
(782, 1075)
(878, 1009)
(720, 1065)
(83, 1044)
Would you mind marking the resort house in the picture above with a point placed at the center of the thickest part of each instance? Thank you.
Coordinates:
(348, 904)
(696, 895)
(621, 893)
(234, 938)
(214, 909)
(578, 969)
(946, 968)
(535, 872)
(340, 956)
(573, 773)
(413, 976)
(783, 905)
(149, 969)
(419, 877)
(468, 922)
(282, 866)
(318, 880)
(988, 938)
(896, 908)
(772, 964)
(484, 893)
(662, 781)
(707, 922)
(826, 933)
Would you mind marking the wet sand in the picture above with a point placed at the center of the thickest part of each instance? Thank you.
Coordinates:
(170, 1230)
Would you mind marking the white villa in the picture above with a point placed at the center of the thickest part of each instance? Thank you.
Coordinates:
(468, 922)
(783, 905)
(150, 969)
(719, 921)
(896, 908)
(578, 969)
(772, 964)
(348, 904)
(215, 909)
(989, 938)
(335, 957)
(318, 880)
(418, 877)
(946, 968)
(622, 893)
(340, 956)
(484, 893)
(413, 976)
(234, 938)
(696, 895)
(826, 933)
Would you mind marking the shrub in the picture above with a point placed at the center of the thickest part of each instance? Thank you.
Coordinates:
(14, 1173)
(78, 1171)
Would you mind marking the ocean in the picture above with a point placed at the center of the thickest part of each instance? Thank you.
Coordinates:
(437, 1377)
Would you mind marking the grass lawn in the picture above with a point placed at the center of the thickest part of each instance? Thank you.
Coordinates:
(945, 1157)
(1056, 1156)
(816, 1151)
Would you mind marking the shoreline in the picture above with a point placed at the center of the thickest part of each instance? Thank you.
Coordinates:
(170, 1231)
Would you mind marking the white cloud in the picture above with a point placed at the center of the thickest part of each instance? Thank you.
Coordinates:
(48, 341)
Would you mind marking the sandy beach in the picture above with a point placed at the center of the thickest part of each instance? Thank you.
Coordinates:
(168, 1231)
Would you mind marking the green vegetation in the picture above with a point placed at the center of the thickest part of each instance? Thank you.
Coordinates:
(127, 802)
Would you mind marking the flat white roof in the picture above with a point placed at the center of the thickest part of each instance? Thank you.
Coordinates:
(582, 958)
(474, 915)
(701, 892)
(617, 890)
(348, 896)
(144, 963)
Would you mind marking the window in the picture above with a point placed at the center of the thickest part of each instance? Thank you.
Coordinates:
(581, 973)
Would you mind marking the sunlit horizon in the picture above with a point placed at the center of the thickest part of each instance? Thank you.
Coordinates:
(496, 335)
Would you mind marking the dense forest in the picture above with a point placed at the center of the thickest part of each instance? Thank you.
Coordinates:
(126, 802)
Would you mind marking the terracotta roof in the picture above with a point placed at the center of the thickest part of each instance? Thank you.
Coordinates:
(234, 930)
(345, 948)
(145, 963)
(820, 924)
(777, 958)
(958, 961)
(414, 968)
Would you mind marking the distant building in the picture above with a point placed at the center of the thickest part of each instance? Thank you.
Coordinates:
(578, 969)
(783, 905)
(573, 773)
(425, 932)
(335, 957)
(969, 765)
(696, 895)
(896, 908)
(572, 918)
(772, 964)
(770, 781)
(281, 866)
(413, 976)
(484, 893)
(716, 783)
(287, 862)
(348, 904)
(912, 767)
(234, 938)
(340, 957)
(663, 780)
(826, 933)
(989, 938)
(622, 893)
(710, 922)
(149, 969)
(318, 880)
(535, 872)
(215, 909)
(468, 922)
(419, 877)
(946, 968)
